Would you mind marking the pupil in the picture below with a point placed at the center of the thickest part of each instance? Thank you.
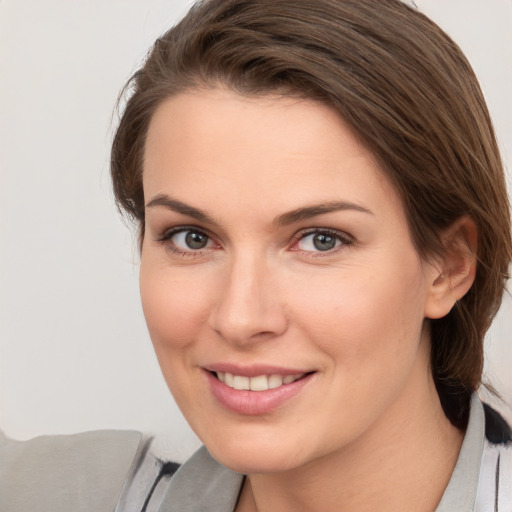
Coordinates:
(324, 242)
(196, 240)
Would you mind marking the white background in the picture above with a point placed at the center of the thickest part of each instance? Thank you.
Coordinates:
(74, 352)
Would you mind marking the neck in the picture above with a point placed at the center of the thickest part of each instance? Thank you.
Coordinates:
(404, 462)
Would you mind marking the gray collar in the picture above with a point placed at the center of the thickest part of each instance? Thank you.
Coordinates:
(202, 484)
(460, 494)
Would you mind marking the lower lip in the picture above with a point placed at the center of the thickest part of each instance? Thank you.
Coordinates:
(254, 403)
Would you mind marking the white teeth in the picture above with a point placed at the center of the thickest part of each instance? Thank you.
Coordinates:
(274, 381)
(259, 383)
(288, 379)
(241, 382)
(229, 379)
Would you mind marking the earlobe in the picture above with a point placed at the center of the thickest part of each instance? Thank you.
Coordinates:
(454, 273)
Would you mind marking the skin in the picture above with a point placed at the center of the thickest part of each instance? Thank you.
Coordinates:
(367, 431)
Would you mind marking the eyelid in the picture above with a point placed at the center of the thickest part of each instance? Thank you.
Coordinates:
(165, 238)
(166, 234)
(344, 237)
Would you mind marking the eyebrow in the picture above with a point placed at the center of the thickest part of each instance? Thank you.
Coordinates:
(309, 212)
(291, 217)
(180, 207)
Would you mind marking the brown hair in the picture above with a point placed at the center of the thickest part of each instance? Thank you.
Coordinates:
(405, 88)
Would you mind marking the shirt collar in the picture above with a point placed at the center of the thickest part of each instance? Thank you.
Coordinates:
(460, 494)
(202, 484)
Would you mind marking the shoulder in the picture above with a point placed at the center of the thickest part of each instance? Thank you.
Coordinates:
(482, 478)
(495, 482)
(79, 472)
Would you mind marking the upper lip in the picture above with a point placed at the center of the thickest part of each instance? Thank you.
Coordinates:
(254, 370)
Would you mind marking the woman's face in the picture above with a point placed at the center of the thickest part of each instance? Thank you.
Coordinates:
(277, 257)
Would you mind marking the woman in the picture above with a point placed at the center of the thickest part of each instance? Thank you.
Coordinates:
(325, 238)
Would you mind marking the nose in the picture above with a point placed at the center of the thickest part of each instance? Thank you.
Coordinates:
(248, 307)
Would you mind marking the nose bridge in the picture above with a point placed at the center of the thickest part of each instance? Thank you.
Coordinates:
(248, 307)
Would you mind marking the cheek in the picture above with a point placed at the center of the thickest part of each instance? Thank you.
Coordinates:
(175, 306)
(358, 315)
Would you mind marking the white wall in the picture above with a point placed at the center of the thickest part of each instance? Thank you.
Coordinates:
(74, 352)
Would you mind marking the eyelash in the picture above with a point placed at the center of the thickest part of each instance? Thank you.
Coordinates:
(166, 237)
(344, 238)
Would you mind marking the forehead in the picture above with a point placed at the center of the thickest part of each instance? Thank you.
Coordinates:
(271, 150)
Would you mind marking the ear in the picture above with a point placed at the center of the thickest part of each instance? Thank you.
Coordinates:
(453, 274)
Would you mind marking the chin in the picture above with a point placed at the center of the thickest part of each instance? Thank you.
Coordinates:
(251, 463)
(247, 456)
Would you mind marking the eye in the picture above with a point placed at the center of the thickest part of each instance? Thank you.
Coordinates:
(320, 241)
(185, 240)
(190, 240)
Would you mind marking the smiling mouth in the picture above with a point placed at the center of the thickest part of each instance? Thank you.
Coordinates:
(258, 383)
